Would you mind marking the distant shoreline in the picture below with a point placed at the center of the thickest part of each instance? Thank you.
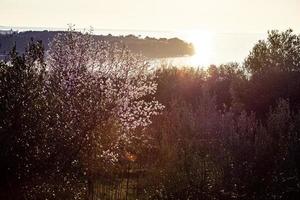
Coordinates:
(150, 47)
(98, 31)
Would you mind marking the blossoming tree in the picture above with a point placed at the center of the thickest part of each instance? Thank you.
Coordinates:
(100, 94)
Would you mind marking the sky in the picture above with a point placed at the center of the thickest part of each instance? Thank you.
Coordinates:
(237, 16)
(221, 30)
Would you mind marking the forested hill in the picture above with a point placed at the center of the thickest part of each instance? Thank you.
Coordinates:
(149, 47)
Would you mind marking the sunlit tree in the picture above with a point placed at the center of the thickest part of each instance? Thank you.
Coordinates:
(100, 95)
(279, 52)
(73, 116)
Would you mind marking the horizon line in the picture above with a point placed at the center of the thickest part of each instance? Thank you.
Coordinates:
(134, 30)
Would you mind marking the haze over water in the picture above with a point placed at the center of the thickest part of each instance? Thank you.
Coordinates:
(210, 47)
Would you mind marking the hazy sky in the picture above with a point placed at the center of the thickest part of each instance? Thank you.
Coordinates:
(245, 16)
(233, 26)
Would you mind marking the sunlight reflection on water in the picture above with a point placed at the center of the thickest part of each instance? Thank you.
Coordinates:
(185, 61)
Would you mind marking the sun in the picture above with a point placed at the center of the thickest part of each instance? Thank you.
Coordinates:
(203, 45)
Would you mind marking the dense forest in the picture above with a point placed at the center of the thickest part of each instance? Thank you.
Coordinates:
(148, 46)
(89, 120)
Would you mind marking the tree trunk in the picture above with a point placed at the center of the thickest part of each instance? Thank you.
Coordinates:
(90, 189)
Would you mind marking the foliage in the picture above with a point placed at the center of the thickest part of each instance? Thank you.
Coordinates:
(279, 52)
(63, 120)
(89, 114)
(274, 68)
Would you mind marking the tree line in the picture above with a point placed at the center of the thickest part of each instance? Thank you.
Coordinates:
(150, 47)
